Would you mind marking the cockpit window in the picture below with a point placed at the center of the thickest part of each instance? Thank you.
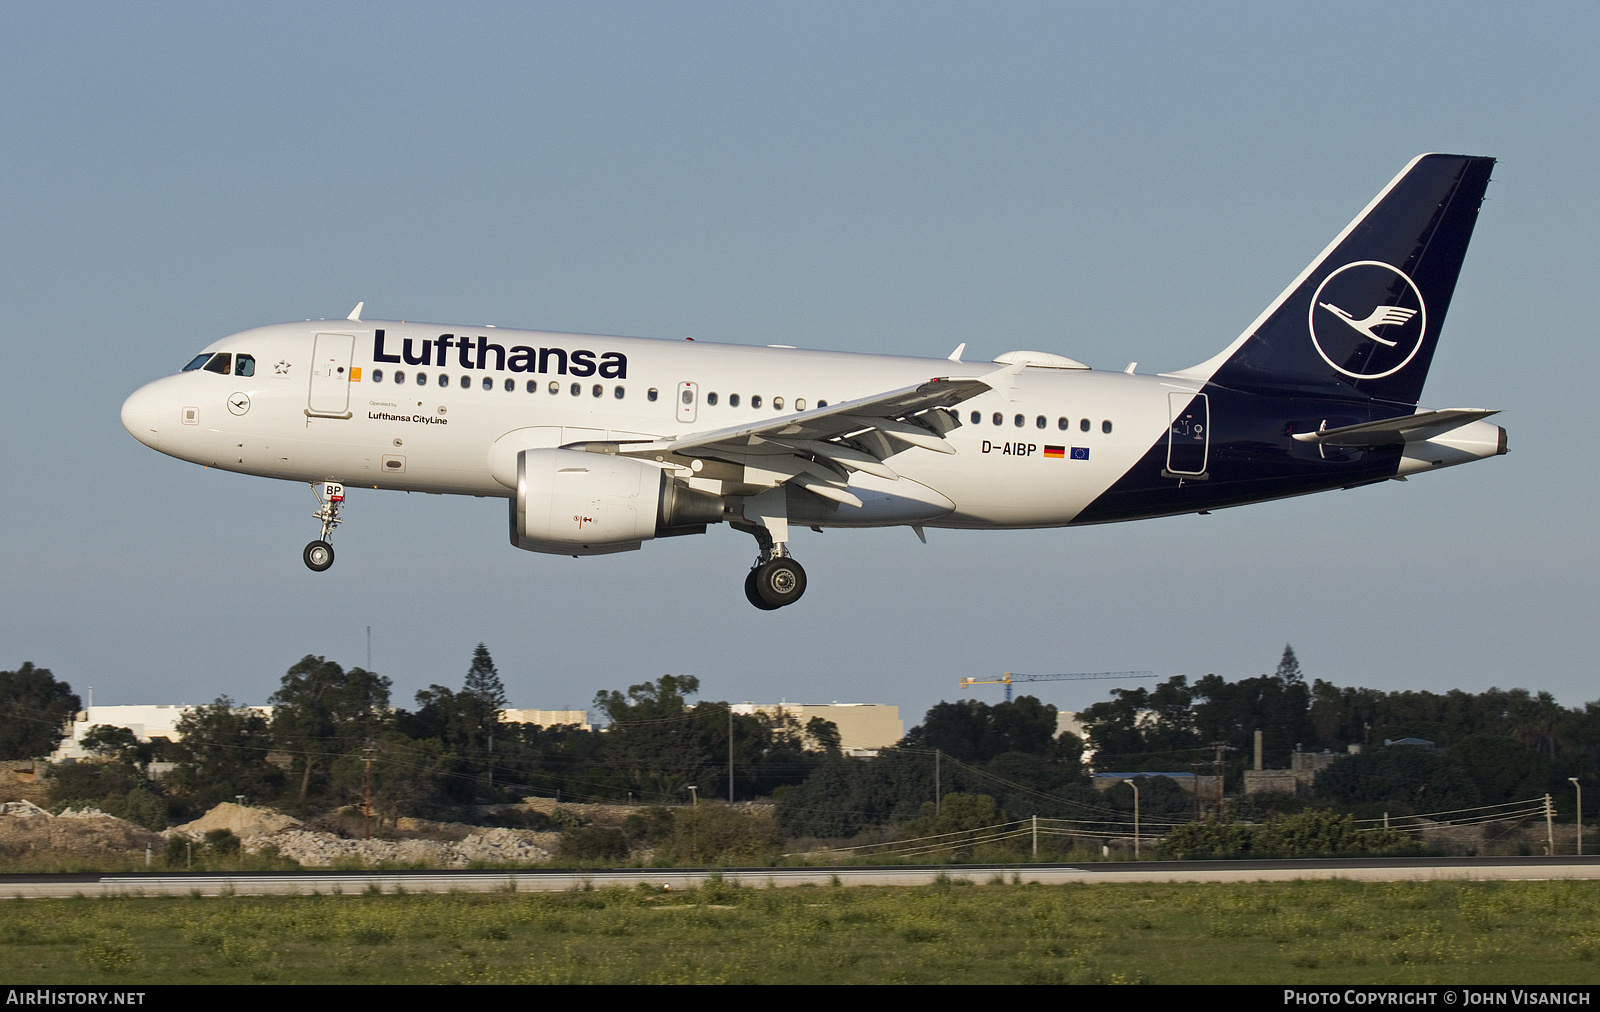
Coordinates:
(244, 365)
(219, 363)
(197, 362)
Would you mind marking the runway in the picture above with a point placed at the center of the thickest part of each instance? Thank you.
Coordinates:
(355, 883)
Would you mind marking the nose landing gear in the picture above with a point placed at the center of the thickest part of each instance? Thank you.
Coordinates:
(318, 555)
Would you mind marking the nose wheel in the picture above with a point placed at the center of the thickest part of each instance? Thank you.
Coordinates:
(318, 555)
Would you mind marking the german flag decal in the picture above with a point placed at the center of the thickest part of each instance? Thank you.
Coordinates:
(1058, 452)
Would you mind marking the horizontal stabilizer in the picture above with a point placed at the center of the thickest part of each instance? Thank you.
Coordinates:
(1391, 431)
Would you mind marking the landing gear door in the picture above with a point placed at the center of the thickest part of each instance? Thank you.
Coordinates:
(688, 401)
(1188, 435)
(330, 376)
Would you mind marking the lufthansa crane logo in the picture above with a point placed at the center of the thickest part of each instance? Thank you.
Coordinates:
(1367, 319)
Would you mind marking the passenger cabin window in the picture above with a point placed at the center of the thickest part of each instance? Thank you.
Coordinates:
(755, 401)
(652, 394)
(1084, 425)
(219, 363)
(399, 377)
(711, 398)
(1105, 426)
(733, 400)
(244, 365)
(777, 404)
(196, 362)
(377, 375)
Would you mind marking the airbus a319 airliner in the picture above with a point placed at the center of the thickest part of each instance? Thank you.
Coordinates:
(600, 444)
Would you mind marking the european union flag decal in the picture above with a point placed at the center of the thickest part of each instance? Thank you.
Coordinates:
(1080, 453)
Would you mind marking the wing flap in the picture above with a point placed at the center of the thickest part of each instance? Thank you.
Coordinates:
(817, 449)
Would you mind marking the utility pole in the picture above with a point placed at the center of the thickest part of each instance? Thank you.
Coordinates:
(1574, 782)
(366, 786)
(730, 753)
(1221, 747)
(1135, 818)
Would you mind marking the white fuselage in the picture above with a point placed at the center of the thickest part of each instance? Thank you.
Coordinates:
(1038, 452)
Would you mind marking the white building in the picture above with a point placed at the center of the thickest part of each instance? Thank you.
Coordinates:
(864, 728)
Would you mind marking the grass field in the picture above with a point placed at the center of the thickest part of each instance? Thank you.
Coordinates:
(957, 932)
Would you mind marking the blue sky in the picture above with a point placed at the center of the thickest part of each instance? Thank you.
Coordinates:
(1109, 182)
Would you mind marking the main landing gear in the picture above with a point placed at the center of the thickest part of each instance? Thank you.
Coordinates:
(775, 583)
(318, 555)
(776, 579)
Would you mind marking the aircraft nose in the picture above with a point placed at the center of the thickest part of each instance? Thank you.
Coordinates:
(141, 416)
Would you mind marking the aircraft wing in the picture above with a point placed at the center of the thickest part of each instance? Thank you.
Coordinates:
(1390, 431)
(818, 449)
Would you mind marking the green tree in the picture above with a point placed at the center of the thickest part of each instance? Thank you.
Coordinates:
(1146, 729)
(34, 711)
(109, 741)
(1502, 768)
(825, 733)
(223, 754)
(658, 741)
(486, 697)
(483, 680)
(972, 731)
(113, 780)
(1421, 779)
(321, 712)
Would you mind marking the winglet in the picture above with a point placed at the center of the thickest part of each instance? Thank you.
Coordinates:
(955, 356)
(355, 314)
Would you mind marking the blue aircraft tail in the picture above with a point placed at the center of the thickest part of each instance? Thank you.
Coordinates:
(1363, 320)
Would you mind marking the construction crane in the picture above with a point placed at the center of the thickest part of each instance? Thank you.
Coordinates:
(1009, 678)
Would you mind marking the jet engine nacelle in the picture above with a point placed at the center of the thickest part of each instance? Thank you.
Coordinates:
(572, 502)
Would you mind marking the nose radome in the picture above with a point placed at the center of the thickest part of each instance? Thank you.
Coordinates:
(141, 416)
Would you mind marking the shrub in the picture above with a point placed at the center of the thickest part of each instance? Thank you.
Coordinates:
(594, 843)
(1208, 839)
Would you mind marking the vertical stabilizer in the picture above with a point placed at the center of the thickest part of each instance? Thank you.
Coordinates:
(1363, 320)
